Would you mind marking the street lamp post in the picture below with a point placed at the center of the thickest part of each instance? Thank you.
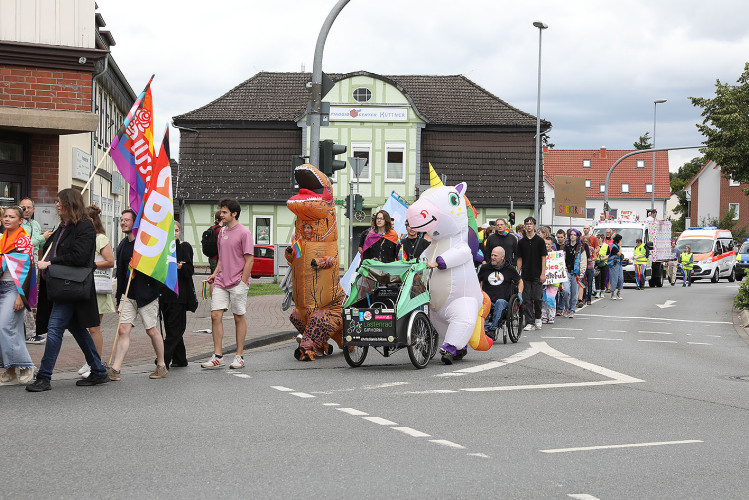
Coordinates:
(652, 186)
(541, 27)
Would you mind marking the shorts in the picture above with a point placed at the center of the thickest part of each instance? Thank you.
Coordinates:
(149, 314)
(236, 297)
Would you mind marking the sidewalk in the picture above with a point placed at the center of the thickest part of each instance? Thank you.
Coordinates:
(266, 324)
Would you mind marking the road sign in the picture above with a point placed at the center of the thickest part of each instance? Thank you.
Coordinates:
(357, 165)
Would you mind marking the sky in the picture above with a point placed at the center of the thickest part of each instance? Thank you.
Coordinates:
(603, 63)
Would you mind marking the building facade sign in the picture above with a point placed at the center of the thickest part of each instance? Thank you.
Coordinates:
(82, 163)
(368, 114)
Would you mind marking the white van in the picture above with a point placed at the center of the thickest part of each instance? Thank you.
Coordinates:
(714, 252)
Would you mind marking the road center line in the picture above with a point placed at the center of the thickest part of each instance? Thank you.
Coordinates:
(627, 318)
(563, 328)
(549, 337)
(615, 446)
(281, 388)
(698, 343)
(352, 411)
(302, 395)
(411, 432)
(601, 338)
(659, 333)
(659, 341)
(380, 420)
(582, 496)
(445, 442)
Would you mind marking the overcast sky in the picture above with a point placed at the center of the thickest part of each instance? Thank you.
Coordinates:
(603, 62)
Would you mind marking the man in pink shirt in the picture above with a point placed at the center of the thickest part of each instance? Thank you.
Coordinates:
(231, 281)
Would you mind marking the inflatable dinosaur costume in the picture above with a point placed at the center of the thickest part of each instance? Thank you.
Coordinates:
(313, 258)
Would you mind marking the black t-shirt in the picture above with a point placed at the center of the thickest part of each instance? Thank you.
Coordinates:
(531, 251)
(507, 241)
(413, 248)
(498, 283)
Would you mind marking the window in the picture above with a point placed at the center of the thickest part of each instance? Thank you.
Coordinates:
(362, 94)
(625, 187)
(640, 163)
(587, 183)
(363, 151)
(590, 213)
(394, 169)
(602, 188)
(648, 188)
(586, 163)
(732, 182)
(735, 207)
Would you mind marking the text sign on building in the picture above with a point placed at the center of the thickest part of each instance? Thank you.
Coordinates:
(82, 163)
(569, 196)
(368, 114)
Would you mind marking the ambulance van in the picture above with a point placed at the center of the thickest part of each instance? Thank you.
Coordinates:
(714, 252)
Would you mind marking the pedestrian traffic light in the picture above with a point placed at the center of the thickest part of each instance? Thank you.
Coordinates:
(328, 151)
(358, 202)
(347, 207)
(511, 218)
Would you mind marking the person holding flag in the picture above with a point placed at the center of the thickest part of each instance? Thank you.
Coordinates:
(72, 244)
(18, 278)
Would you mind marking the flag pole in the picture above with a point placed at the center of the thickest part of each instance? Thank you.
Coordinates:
(119, 320)
(96, 169)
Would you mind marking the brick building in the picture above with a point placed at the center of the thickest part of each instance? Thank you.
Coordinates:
(711, 194)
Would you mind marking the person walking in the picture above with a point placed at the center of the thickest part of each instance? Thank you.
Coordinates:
(36, 235)
(14, 299)
(231, 282)
(549, 307)
(564, 287)
(602, 258)
(687, 264)
(142, 300)
(502, 237)
(104, 262)
(72, 244)
(379, 243)
(640, 261)
(589, 280)
(616, 274)
(531, 264)
(174, 307)
(577, 264)
(209, 241)
(673, 264)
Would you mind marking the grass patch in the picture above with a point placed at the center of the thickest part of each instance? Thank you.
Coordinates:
(264, 289)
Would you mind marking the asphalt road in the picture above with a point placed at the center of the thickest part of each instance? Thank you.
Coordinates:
(627, 400)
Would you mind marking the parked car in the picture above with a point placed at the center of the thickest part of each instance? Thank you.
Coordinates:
(264, 262)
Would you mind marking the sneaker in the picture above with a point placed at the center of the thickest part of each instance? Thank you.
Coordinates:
(588, 302)
(9, 378)
(213, 363)
(571, 316)
(39, 385)
(580, 303)
(538, 324)
(93, 379)
(37, 339)
(159, 372)
(114, 375)
(85, 371)
(237, 363)
(551, 321)
(529, 327)
(26, 375)
(491, 332)
(566, 313)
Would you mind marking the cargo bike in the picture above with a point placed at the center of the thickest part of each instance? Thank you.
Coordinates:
(388, 310)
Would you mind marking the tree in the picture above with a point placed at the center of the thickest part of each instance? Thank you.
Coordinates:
(643, 142)
(726, 127)
(679, 180)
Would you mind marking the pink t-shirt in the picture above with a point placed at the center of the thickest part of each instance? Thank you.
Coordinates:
(233, 244)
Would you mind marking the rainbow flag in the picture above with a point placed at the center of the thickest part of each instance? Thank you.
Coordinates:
(155, 249)
(20, 266)
(132, 147)
(297, 249)
(205, 291)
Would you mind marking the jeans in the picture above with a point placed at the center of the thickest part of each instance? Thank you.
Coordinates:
(60, 319)
(499, 306)
(602, 278)
(616, 277)
(589, 282)
(13, 350)
(572, 296)
(563, 294)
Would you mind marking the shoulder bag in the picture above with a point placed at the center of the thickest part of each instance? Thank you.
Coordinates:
(68, 283)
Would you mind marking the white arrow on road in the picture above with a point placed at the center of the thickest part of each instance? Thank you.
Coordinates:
(668, 303)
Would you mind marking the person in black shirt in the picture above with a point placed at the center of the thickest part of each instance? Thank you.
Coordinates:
(379, 242)
(503, 237)
(496, 280)
(412, 244)
(532, 267)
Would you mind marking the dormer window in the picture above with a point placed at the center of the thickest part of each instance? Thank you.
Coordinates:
(362, 94)
(586, 163)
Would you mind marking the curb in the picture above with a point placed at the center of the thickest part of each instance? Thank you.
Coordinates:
(263, 341)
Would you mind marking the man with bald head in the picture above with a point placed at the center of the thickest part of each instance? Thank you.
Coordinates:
(496, 278)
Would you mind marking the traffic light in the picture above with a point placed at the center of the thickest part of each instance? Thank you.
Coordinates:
(328, 151)
(347, 207)
(295, 162)
(358, 202)
(511, 218)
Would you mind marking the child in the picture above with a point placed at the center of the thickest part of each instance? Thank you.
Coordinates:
(549, 306)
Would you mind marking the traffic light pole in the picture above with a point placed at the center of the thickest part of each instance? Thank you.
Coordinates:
(316, 98)
(351, 223)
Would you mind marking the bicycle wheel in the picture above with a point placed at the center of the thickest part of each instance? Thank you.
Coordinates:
(435, 342)
(420, 332)
(355, 355)
(514, 319)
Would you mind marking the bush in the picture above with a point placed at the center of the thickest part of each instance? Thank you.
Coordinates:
(742, 298)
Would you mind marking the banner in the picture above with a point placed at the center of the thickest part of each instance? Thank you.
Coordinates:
(155, 247)
(556, 268)
(132, 148)
(569, 196)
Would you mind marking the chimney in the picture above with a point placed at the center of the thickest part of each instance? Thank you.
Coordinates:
(603, 151)
(546, 149)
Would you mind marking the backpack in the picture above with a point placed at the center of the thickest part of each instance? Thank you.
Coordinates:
(209, 242)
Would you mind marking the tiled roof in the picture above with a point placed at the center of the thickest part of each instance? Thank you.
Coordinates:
(570, 162)
(438, 99)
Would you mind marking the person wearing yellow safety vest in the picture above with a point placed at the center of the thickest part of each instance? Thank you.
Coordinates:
(687, 264)
(640, 260)
(602, 279)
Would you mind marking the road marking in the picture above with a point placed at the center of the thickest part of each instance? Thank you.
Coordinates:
(659, 341)
(352, 411)
(380, 420)
(601, 338)
(549, 337)
(302, 395)
(563, 328)
(281, 388)
(331, 404)
(655, 322)
(242, 375)
(519, 356)
(363, 388)
(698, 343)
(613, 331)
(445, 442)
(582, 496)
(659, 333)
(627, 318)
(480, 455)
(615, 446)
(668, 303)
(411, 432)
(715, 336)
